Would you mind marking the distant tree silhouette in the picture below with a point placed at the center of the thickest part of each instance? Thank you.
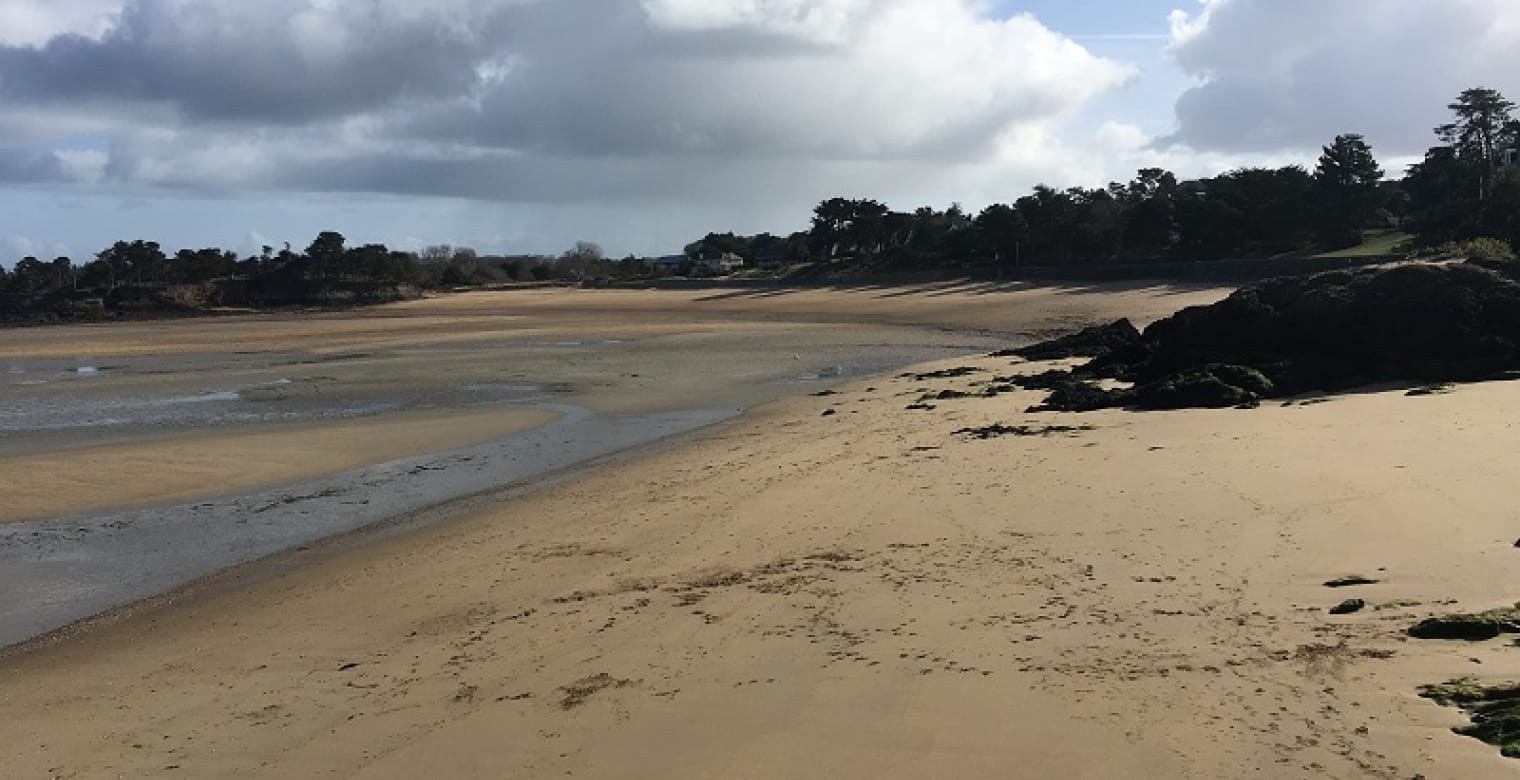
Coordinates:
(324, 256)
(1347, 182)
(1483, 127)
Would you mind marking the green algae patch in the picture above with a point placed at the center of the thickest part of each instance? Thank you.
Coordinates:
(1494, 710)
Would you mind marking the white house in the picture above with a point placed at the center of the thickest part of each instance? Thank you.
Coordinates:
(719, 265)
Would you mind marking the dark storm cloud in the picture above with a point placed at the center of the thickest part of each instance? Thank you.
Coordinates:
(658, 187)
(29, 166)
(273, 61)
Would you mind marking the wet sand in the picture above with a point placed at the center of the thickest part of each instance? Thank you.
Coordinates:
(837, 586)
(148, 455)
(206, 464)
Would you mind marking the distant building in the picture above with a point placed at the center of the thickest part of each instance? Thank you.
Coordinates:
(671, 263)
(717, 264)
(1509, 158)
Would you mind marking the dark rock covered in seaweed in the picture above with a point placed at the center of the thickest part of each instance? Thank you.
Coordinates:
(1417, 322)
(1217, 385)
(1096, 341)
(1070, 393)
(1469, 627)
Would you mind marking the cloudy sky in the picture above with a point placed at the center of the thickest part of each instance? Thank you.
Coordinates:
(525, 125)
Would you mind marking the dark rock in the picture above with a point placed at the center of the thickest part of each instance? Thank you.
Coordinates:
(1283, 337)
(1216, 386)
(1348, 606)
(1048, 380)
(1069, 393)
(1089, 342)
(1446, 628)
(1470, 627)
(828, 413)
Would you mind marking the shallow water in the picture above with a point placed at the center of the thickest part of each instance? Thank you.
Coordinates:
(54, 572)
(263, 402)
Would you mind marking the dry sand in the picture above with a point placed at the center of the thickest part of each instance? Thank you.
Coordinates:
(856, 594)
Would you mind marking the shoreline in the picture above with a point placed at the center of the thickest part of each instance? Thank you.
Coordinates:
(60, 571)
(146, 472)
(312, 553)
(864, 592)
(63, 566)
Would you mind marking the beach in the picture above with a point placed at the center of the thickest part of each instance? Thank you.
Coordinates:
(147, 455)
(819, 581)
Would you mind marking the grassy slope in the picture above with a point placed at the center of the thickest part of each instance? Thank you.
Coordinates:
(1376, 242)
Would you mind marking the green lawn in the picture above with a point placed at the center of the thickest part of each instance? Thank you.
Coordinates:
(1376, 242)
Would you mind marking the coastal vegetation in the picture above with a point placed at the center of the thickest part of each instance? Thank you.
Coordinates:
(1461, 199)
(1467, 187)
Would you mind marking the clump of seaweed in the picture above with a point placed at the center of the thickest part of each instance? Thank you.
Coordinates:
(943, 395)
(1494, 710)
(1350, 580)
(947, 373)
(999, 429)
(578, 692)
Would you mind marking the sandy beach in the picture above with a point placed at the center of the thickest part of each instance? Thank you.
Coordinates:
(828, 585)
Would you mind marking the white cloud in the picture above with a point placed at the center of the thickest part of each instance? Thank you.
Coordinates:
(829, 79)
(821, 21)
(559, 100)
(34, 22)
(1292, 74)
(16, 246)
(86, 166)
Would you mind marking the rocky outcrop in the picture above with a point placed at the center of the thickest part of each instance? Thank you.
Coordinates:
(1418, 322)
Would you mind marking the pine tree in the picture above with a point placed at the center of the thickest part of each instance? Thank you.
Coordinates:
(1484, 128)
(1346, 180)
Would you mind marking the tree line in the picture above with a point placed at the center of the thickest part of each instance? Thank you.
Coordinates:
(1466, 187)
